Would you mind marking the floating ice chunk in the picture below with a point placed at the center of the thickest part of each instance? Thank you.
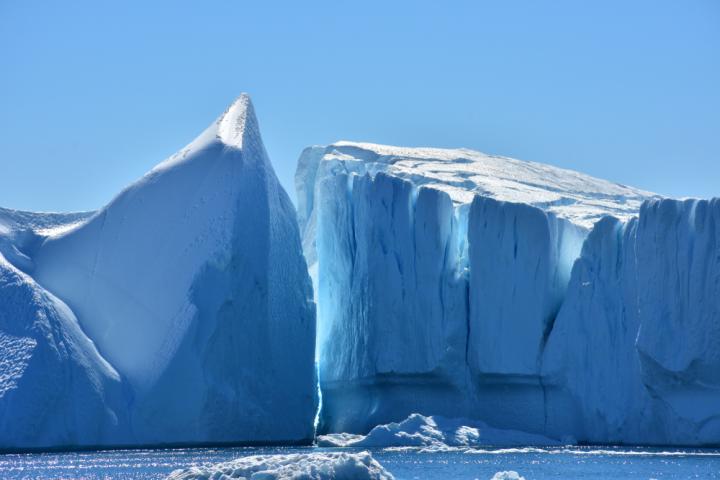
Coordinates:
(507, 475)
(436, 432)
(297, 466)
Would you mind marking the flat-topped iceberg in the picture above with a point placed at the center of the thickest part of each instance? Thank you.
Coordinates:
(180, 313)
(532, 298)
(438, 277)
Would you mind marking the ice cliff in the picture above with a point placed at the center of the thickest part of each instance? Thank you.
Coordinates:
(455, 283)
(635, 353)
(180, 313)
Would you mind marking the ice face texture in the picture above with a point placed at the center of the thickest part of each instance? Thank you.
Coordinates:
(55, 388)
(530, 297)
(646, 295)
(192, 286)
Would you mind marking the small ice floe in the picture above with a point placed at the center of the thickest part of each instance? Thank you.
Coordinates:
(507, 475)
(296, 466)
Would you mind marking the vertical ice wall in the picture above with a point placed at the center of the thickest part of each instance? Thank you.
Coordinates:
(391, 298)
(635, 351)
(497, 306)
(678, 342)
(520, 260)
(590, 366)
(428, 301)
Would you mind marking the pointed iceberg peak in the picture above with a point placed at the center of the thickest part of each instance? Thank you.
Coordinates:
(238, 124)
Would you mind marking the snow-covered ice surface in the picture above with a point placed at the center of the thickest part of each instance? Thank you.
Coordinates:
(434, 433)
(296, 466)
(463, 173)
(530, 297)
(22, 232)
(181, 312)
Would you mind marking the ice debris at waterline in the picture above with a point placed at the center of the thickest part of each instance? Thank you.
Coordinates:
(507, 475)
(534, 298)
(297, 466)
(434, 433)
(180, 313)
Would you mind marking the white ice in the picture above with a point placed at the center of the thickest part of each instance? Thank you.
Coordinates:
(507, 475)
(533, 298)
(434, 433)
(297, 466)
(438, 276)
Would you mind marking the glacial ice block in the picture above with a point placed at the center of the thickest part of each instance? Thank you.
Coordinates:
(192, 286)
(439, 274)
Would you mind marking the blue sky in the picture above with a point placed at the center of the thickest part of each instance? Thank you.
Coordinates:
(93, 94)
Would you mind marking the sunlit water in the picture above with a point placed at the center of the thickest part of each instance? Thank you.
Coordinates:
(532, 463)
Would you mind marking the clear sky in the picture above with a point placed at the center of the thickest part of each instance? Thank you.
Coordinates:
(94, 93)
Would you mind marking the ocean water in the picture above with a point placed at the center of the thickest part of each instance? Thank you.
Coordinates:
(532, 463)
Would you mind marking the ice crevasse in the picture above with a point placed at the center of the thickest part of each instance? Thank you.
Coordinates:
(180, 313)
(454, 283)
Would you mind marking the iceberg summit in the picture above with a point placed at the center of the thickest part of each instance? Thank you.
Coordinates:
(462, 299)
(180, 313)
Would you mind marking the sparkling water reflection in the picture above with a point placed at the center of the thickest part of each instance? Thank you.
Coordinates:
(532, 463)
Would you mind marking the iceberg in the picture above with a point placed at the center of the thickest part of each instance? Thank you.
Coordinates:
(296, 466)
(180, 313)
(457, 284)
(439, 274)
(463, 299)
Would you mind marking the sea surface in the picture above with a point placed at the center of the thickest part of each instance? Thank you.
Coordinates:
(531, 463)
